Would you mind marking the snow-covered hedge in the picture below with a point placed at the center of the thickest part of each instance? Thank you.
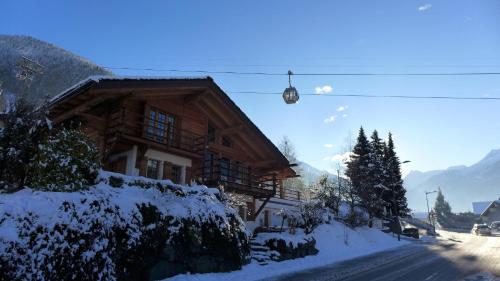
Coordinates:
(288, 246)
(123, 228)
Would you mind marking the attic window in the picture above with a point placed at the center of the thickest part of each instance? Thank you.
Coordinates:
(226, 141)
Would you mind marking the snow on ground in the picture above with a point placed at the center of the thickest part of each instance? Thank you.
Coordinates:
(330, 241)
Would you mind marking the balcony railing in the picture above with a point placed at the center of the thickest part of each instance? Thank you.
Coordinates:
(137, 125)
(237, 178)
(290, 194)
(174, 137)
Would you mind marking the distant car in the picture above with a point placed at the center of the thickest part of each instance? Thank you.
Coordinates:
(481, 229)
(411, 232)
(495, 225)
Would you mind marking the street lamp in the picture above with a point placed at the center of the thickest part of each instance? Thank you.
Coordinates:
(428, 211)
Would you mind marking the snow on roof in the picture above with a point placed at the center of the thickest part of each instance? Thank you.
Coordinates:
(496, 202)
(99, 78)
(479, 207)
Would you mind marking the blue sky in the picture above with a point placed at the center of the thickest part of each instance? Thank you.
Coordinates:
(307, 36)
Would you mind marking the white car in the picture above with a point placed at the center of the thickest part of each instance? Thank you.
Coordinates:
(481, 229)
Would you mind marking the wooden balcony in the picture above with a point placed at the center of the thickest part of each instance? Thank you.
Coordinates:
(140, 128)
(290, 194)
(237, 178)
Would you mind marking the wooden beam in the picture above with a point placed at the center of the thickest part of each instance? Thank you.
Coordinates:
(231, 130)
(195, 98)
(212, 116)
(77, 110)
(93, 118)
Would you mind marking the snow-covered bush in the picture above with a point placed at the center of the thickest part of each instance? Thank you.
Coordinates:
(24, 128)
(313, 214)
(292, 217)
(285, 246)
(142, 229)
(65, 161)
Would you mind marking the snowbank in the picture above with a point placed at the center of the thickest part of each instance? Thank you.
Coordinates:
(121, 228)
(335, 243)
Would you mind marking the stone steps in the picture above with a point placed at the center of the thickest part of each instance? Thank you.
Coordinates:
(261, 253)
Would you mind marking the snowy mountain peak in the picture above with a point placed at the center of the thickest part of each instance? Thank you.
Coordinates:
(492, 157)
(461, 185)
(57, 68)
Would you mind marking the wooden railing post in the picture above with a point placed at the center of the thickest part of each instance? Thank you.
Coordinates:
(274, 184)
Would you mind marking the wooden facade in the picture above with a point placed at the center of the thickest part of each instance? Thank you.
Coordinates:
(173, 128)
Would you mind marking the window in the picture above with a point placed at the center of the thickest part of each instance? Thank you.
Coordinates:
(176, 173)
(153, 169)
(208, 166)
(236, 172)
(225, 165)
(160, 126)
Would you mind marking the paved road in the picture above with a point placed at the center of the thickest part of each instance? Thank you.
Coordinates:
(455, 256)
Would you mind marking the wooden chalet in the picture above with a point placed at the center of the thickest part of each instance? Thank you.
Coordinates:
(183, 129)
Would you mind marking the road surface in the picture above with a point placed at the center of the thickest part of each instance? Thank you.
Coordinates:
(454, 256)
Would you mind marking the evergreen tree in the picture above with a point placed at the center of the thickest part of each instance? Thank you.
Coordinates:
(377, 176)
(393, 180)
(442, 208)
(24, 128)
(358, 171)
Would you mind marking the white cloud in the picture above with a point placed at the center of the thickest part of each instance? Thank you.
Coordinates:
(344, 115)
(424, 8)
(342, 157)
(342, 108)
(323, 90)
(328, 145)
(330, 119)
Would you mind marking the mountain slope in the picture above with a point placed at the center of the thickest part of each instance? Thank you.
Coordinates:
(60, 68)
(461, 185)
(310, 174)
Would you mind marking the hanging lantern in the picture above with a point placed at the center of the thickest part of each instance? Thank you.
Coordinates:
(290, 95)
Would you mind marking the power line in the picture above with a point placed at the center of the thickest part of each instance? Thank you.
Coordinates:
(303, 74)
(374, 96)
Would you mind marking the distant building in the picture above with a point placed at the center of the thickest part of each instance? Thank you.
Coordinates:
(492, 212)
(479, 207)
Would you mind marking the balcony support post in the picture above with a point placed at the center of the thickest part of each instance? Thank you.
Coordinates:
(261, 208)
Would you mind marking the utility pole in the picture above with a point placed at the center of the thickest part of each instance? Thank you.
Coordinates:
(428, 210)
(339, 187)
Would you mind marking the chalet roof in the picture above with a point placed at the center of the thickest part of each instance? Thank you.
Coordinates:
(94, 81)
(493, 204)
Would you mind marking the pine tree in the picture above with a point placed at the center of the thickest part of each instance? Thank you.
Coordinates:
(442, 208)
(393, 180)
(25, 126)
(377, 175)
(358, 171)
